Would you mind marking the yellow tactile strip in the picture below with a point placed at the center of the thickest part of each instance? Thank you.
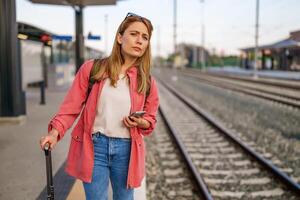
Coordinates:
(76, 192)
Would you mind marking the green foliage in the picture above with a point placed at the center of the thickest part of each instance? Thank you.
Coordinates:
(216, 61)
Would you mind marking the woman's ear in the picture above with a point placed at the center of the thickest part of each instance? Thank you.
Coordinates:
(119, 38)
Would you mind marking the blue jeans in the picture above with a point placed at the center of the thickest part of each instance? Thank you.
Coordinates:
(111, 160)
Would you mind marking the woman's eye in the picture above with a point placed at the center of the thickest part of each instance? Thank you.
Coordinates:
(133, 33)
(145, 38)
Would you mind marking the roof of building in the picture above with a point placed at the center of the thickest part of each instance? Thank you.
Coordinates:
(285, 43)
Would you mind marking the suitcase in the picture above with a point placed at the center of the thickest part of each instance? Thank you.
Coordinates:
(50, 187)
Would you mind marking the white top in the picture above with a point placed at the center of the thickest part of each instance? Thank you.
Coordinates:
(113, 105)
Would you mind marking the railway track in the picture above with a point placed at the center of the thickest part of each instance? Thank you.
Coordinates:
(282, 83)
(168, 177)
(282, 93)
(224, 167)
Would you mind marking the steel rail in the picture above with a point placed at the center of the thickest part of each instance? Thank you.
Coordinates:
(211, 78)
(199, 180)
(264, 162)
(241, 90)
(266, 80)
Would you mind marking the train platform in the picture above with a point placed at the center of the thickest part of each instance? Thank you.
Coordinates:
(23, 165)
(276, 74)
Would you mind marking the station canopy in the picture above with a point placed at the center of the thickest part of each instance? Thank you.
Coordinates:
(293, 41)
(76, 2)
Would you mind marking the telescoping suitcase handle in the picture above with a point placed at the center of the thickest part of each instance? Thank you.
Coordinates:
(50, 187)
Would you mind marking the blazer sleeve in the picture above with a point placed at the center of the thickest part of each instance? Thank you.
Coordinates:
(73, 101)
(151, 107)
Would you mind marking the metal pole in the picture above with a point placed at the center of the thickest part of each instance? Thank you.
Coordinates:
(175, 25)
(158, 41)
(195, 57)
(12, 96)
(106, 34)
(256, 40)
(203, 38)
(79, 43)
(42, 90)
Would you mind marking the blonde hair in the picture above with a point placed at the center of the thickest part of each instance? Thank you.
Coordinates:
(112, 64)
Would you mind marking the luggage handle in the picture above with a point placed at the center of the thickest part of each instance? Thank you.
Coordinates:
(50, 187)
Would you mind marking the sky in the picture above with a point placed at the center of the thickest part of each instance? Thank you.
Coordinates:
(229, 24)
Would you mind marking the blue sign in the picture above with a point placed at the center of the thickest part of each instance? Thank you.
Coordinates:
(69, 37)
(94, 37)
(62, 37)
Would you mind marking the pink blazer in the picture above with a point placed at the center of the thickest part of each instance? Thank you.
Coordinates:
(80, 159)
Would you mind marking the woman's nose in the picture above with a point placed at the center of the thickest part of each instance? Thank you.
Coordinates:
(139, 40)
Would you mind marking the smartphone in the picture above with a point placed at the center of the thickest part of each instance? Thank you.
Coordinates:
(138, 114)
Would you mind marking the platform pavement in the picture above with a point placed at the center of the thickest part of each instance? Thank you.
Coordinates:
(22, 169)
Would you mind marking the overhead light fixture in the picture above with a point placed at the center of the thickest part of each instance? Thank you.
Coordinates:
(22, 36)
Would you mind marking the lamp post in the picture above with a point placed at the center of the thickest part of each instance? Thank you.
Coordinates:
(202, 37)
(106, 33)
(256, 40)
(175, 25)
(158, 41)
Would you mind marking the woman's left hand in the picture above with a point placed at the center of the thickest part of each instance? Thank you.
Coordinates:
(135, 121)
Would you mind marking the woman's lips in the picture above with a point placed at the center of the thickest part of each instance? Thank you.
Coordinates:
(137, 49)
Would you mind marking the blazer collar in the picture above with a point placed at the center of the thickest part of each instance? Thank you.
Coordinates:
(130, 71)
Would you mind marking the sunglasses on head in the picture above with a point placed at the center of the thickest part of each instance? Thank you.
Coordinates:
(130, 14)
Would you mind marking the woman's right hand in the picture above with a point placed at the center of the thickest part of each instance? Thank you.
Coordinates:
(51, 138)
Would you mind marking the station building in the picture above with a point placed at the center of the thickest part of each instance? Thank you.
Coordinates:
(281, 55)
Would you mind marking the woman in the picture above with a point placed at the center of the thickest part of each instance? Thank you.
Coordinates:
(106, 142)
